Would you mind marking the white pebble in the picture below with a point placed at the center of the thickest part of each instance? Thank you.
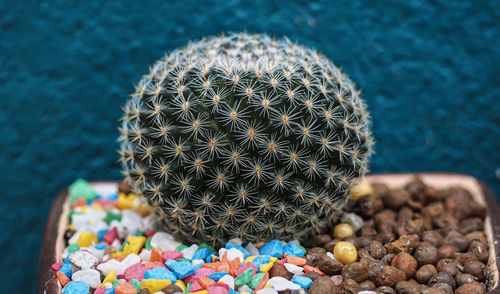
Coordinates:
(75, 237)
(145, 255)
(294, 269)
(90, 277)
(99, 253)
(367, 292)
(131, 222)
(331, 255)
(107, 266)
(244, 289)
(228, 280)
(252, 249)
(280, 284)
(235, 253)
(83, 259)
(354, 220)
(196, 262)
(129, 261)
(267, 291)
(236, 241)
(163, 241)
(189, 251)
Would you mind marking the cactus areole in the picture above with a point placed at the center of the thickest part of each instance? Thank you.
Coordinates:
(244, 136)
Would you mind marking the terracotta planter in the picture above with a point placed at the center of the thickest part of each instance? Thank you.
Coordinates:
(57, 222)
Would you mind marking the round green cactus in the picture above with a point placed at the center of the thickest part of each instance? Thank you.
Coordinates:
(244, 136)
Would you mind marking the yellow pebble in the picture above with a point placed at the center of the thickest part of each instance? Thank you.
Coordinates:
(249, 259)
(342, 231)
(126, 201)
(154, 285)
(199, 292)
(273, 259)
(266, 267)
(110, 278)
(362, 189)
(86, 239)
(72, 227)
(134, 245)
(181, 285)
(345, 252)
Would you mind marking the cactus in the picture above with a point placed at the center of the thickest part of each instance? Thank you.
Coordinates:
(244, 136)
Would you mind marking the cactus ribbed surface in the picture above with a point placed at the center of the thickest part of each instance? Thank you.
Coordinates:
(244, 136)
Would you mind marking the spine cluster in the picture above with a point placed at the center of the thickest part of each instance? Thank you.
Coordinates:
(244, 136)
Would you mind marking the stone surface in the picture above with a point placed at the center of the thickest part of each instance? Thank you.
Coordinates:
(67, 69)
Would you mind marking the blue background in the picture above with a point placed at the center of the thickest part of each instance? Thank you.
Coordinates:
(428, 69)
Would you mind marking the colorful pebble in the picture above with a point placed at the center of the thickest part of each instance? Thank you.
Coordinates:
(113, 236)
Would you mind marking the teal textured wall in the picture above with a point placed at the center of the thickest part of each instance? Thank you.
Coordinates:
(429, 72)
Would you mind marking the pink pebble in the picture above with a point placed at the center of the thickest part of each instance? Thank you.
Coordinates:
(218, 288)
(196, 287)
(57, 266)
(150, 234)
(170, 254)
(136, 272)
(200, 273)
(245, 267)
(111, 235)
(99, 290)
(282, 261)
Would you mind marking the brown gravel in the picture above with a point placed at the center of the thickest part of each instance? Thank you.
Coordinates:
(418, 239)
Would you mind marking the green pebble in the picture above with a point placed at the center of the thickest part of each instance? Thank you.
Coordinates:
(188, 288)
(136, 284)
(81, 188)
(205, 245)
(148, 244)
(73, 248)
(71, 213)
(243, 278)
(123, 245)
(183, 259)
(116, 282)
(180, 247)
(256, 280)
(111, 216)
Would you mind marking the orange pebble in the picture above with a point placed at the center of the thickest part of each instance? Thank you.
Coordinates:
(125, 288)
(262, 282)
(155, 255)
(62, 278)
(79, 202)
(213, 265)
(223, 259)
(223, 267)
(296, 260)
(119, 258)
(234, 265)
(308, 268)
(205, 282)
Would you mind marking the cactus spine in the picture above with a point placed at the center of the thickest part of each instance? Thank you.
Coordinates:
(244, 136)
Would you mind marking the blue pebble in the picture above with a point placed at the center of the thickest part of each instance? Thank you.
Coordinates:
(239, 247)
(100, 246)
(66, 269)
(110, 291)
(303, 282)
(231, 291)
(160, 273)
(76, 287)
(208, 259)
(273, 248)
(100, 234)
(201, 253)
(217, 275)
(182, 269)
(294, 250)
(260, 260)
